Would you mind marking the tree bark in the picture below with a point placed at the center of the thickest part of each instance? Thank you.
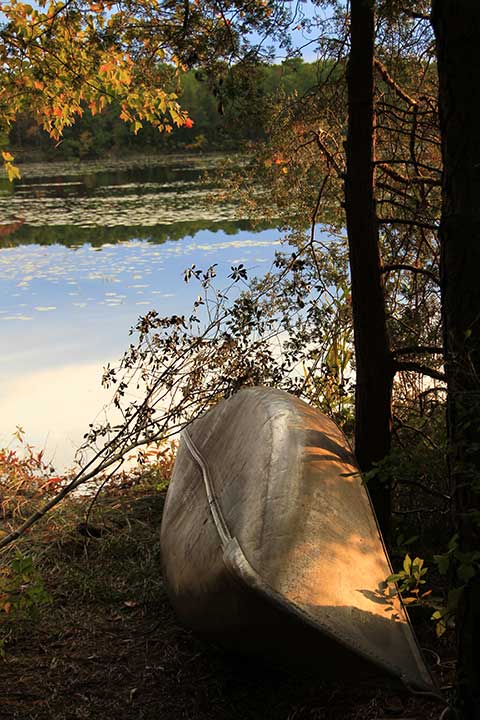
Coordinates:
(374, 366)
(456, 25)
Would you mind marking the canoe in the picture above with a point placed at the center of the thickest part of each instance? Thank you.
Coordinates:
(270, 545)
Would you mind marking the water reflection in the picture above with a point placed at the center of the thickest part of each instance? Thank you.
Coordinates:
(82, 255)
(19, 233)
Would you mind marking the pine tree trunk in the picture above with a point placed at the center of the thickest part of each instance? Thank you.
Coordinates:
(374, 367)
(457, 29)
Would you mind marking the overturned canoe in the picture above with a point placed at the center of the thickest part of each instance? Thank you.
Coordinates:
(270, 544)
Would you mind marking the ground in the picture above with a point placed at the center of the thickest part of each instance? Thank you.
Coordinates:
(108, 645)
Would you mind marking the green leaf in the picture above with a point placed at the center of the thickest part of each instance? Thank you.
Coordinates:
(466, 572)
(418, 563)
(407, 564)
(442, 562)
(394, 578)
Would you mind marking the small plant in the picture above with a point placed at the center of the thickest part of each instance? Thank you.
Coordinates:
(22, 590)
(410, 580)
(22, 594)
(25, 480)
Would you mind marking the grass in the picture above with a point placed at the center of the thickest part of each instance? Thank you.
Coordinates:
(104, 643)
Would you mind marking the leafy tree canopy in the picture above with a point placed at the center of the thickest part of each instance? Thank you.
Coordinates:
(57, 58)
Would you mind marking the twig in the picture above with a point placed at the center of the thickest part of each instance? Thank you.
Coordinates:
(426, 489)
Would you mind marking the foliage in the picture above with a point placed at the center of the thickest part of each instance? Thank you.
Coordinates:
(24, 477)
(410, 580)
(293, 328)
(58, 58)
(22, 592)
(26, 484)
(243, 94)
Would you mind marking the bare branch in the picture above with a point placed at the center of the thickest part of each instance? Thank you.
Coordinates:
(426, 489)
(417, 180)
(330, 158)
(392, 84)
(421, 369)
(413, 269)
(418, 350)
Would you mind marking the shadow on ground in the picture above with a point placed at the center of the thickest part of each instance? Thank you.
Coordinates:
(109, 648)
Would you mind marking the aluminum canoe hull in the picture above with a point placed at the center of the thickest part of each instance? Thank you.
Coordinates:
(270, 545)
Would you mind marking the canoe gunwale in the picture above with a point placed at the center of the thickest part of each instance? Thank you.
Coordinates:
(241, 570)
(213, 504)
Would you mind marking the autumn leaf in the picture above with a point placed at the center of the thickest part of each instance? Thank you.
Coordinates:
(13, 173)
(188, 122)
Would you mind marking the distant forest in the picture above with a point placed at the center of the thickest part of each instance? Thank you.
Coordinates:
(228, 112)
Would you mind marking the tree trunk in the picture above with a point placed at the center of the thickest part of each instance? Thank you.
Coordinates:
(456, 25)
(374, 367)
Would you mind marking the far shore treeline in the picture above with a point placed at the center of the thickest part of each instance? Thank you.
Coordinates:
(228, 111)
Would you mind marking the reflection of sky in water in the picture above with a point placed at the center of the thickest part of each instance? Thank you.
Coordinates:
(58, 301)
(65, 312)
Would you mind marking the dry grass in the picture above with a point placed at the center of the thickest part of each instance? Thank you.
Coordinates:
(108, 645)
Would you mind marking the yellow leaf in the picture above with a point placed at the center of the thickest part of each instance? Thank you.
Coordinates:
(13, 172)
(8, 157)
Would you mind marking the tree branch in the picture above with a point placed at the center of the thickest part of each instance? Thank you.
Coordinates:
(314, 221)
(418, 350)
(421, 369)
(330, 158)
(392, 84)
(411, 268)
(417, 15)
(426, 489)
(417, 180)
(406, 221)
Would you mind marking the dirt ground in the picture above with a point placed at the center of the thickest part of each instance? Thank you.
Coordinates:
(109, 647)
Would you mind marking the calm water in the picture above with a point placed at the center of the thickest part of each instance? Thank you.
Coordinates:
(85, 250)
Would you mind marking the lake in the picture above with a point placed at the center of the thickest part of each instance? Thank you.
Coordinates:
(85, 249)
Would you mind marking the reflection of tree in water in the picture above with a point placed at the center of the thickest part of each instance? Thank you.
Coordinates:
(74, 236)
